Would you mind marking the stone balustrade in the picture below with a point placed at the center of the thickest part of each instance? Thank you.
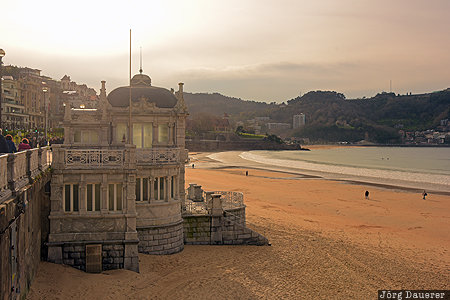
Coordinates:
(21, 168)
(158, 156)
(98, 158)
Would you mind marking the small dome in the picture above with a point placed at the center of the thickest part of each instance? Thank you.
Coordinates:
(141, 80)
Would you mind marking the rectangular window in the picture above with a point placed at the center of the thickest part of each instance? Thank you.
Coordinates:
(67, 197)
(115, 196)
(138, 189)
(111, 192)
(77, 136)
(148, 135)
(142, 135)
(163, 133)
(161, 188)
(71, 198)
(137, 135)
(93, 197)
(89, 198)
(142, 189)
(171, 186)
(174, 136)
(155, 189)
(145, 188)
(85, 136)
(121, 133)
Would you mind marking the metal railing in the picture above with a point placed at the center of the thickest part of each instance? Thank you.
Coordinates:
(230, 200)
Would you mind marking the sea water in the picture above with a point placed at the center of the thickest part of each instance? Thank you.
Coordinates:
(417, 167)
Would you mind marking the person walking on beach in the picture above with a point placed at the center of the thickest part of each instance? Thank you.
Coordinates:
(424, 194)
(366, 194)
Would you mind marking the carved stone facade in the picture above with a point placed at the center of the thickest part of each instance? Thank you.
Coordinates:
(118, 186)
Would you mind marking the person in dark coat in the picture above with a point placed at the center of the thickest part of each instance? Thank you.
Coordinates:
(24, 145)
(3, 145)
(11, 145)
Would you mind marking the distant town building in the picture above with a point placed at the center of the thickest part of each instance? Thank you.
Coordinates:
(223, 125)
(24, 101)
(13, 110)
(298, 121)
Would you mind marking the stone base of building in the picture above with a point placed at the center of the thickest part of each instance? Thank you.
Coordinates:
(114, 254)
(161, 239)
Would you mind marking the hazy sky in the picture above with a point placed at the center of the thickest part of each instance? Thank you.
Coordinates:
(266, 50)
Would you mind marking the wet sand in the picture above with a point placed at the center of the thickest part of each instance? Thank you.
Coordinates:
(328, 242)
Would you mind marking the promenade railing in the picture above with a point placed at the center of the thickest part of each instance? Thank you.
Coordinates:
(21, 168)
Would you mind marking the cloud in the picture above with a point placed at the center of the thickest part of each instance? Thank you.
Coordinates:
(269, 70)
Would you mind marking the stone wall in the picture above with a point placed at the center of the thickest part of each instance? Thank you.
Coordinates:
(197, 230)
(112, 255)
(221, 229)
(161, 239)
(23, 230)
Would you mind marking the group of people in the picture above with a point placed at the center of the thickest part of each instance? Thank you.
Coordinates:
(7, 144)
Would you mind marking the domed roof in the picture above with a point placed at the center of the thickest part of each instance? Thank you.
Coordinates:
(141, 79)
(141, 89)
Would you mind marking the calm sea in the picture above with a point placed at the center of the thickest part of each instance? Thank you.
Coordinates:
(410, 166)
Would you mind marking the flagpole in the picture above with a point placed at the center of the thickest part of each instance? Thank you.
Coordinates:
(129, 104)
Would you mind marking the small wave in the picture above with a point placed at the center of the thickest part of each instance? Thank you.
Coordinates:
(351, 171)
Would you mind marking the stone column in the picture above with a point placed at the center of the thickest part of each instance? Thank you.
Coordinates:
(151, 181)
(166, 188)
(82, 195)
(216, 219)
(104, 194)
(198, 193)
(169, 188)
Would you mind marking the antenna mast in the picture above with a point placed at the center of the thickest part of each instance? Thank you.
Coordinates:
(129, 104)
(140, 69)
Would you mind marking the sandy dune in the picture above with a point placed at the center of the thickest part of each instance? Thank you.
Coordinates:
(328, 242)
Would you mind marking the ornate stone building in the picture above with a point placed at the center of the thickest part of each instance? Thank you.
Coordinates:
(114, 194)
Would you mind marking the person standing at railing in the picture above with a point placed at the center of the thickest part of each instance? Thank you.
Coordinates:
(3, 145)
(24, 145)
(10, 142)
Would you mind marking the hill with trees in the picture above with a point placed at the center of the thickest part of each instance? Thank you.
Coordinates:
(330, 117)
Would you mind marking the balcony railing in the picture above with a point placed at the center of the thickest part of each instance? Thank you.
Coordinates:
(158, 156)
(95, 158)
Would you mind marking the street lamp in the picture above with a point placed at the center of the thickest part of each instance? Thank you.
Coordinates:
(45, 90)
(2, 53)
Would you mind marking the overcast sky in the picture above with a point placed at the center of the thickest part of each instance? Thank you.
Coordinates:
(265, 50)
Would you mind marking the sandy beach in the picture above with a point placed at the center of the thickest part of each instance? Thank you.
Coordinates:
(327, 242)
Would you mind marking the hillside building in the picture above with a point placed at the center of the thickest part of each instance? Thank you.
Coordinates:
(298, 121)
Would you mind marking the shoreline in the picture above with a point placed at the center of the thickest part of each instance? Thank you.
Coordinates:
(235, 159)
